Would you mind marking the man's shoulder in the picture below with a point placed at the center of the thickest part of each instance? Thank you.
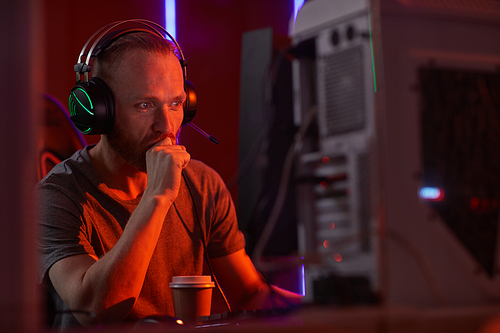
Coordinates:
(199, 172)
(200, 168)
(68, 170)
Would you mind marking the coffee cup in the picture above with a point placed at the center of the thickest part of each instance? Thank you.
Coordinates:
(192, 296)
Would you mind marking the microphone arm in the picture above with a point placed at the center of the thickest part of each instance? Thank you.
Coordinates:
(205, 134)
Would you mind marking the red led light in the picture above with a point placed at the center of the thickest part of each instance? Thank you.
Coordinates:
(337, 257)
(323, 184)
(326, 244)
(332, 226)
(325, 160)
(474, 203)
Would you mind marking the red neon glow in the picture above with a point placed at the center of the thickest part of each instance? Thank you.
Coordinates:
(474, 203)
(52, 160)
(483, 204)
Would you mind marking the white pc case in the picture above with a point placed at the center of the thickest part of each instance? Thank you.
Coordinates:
(407, 97)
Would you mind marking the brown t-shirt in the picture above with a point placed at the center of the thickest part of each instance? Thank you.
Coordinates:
(79, 215)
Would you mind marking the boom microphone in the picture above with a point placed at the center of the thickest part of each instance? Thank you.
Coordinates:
(205, 134)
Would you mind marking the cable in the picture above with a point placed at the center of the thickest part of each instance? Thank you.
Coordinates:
(280, 198)
(219, 288)
(259, 143)
(204, 240)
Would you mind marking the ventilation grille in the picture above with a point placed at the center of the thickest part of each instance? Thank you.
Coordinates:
(344, 91)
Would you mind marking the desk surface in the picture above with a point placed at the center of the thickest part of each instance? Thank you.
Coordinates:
(374, 319)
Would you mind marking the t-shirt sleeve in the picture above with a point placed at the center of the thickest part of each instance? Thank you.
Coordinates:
(62, 232)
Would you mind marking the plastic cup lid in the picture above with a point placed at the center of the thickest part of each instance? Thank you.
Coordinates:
(192, 281)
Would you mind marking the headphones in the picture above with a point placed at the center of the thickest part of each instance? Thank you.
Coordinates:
(91, 103)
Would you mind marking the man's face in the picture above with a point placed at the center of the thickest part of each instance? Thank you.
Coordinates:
(148, 92)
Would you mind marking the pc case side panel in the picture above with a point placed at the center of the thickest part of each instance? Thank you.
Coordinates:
(337, 223)
(427, 264)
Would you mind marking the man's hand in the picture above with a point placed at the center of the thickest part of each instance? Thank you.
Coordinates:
(246, 288)
(164, 164)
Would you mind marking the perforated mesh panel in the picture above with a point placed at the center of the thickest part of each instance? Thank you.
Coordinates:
(344, 91)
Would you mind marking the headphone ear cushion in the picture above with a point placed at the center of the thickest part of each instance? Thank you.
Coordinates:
(191, 103)
(91, 107)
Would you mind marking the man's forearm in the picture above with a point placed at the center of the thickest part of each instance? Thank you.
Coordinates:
(272, 297)
(117, 277)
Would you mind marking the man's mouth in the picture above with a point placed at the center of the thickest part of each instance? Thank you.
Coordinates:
(173, 140)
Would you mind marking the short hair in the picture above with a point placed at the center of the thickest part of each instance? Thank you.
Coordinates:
(142, 41)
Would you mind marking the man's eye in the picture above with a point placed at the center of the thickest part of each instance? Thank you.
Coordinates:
(144, 105)
(177, 104)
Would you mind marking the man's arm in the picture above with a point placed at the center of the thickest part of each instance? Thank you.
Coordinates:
(245, 287)
(109, 286)
(99, 286)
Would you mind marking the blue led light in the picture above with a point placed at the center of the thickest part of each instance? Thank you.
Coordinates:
(303, 280)
(297, 4)
(431, 193)
(170, 19)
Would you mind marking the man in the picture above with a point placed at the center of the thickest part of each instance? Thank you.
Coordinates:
(120, 218)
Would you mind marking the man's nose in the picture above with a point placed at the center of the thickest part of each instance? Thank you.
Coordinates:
(163, 121)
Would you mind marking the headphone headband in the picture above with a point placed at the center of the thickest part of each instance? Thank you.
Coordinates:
(83, 66)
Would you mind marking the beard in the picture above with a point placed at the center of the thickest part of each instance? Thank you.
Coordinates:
(132, 152)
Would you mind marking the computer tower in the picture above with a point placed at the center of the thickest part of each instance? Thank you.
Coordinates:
(397, 181)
